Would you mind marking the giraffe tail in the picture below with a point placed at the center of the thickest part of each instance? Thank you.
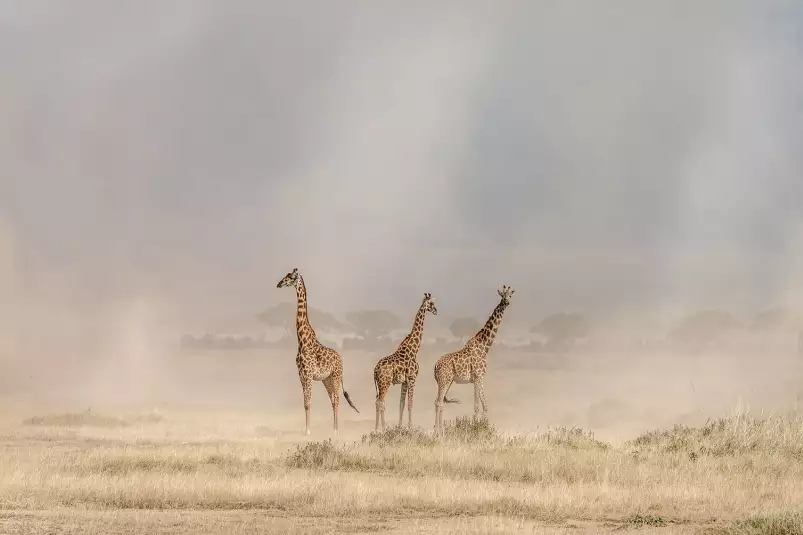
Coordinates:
(348, 398)
(452, 400)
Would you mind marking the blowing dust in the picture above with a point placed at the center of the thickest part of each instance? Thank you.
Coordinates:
(635, 164)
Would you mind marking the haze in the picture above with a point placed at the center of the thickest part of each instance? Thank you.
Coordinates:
(162, 165)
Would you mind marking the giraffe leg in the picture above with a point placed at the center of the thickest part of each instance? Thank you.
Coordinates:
(382, 412)
(382, 391)
(410, 389)
(378, 409)
(439, 406)
(306, 389)
(444, 384)
(477, 387)
(332, 384)
(479, 392)
(401, 402)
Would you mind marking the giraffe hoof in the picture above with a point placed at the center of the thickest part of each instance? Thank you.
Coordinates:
(306, 432)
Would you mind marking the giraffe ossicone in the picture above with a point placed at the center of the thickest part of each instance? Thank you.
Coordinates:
(469, 363)
(315, 361)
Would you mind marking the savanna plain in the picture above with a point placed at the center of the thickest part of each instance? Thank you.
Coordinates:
(213, 443)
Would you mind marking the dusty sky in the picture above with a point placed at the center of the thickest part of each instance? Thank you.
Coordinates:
(604, 157)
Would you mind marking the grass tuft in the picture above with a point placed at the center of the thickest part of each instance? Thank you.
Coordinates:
(640, 520)
(573, 438)
(467, 429)
(399, 436)
(787, 523)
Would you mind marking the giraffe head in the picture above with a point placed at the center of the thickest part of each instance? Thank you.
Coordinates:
(291, 279)
(429, 304)
(506, 293)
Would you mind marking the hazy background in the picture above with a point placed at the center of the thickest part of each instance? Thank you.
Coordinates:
(164, 163)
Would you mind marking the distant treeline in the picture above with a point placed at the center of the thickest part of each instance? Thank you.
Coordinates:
(556, 333)
(216, 342)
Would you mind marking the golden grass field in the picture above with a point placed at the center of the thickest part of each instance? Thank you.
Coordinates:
(202, 470)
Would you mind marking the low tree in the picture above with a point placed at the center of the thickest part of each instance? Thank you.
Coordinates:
(778, 319)
(703, 328)
(372, 324)
(283, 315)
(562, 329)
(464, 327)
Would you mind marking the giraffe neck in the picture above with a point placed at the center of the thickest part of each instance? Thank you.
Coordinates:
(412, 341)
(485, 336)
(305, 332)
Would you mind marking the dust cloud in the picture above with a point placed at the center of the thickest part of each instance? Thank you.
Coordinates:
(164, 165)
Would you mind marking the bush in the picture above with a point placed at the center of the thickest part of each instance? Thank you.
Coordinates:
(314, 455)
(470, 430)
(325, 455)
(574, 438)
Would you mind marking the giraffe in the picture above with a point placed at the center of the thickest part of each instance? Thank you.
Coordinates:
(315, 361)
(468, 364)
(402, 366)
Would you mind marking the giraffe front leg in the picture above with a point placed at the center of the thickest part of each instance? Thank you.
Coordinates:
(438, 406)
(382, 412)
(378, 409)
(479, 397)
(401, 402)
(410, 390)
(306, 389)
(477, 386)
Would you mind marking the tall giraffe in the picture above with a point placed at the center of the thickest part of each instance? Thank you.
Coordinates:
(468, 364)
(315, 361)
(402, 366)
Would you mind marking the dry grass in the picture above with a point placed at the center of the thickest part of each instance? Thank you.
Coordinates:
(730, 476)
(785, 523)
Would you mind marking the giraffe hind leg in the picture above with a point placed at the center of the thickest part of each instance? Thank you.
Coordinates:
(444, 384)
(382, 391)
(332, 385)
